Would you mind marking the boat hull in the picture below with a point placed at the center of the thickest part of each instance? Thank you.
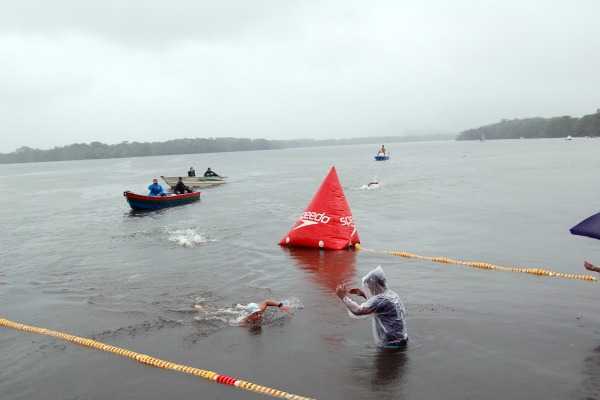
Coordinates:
(382, 158)
(196, 181)
(141, 202)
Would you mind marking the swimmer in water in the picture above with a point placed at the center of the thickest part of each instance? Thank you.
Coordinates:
(255, 311)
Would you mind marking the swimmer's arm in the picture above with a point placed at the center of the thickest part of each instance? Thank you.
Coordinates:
(271, 303)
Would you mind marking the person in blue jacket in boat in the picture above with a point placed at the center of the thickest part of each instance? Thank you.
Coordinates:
(155, 189)
(385, 306)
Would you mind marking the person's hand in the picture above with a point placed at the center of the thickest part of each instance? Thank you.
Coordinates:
(357, 292)
(341, 291)
(285, 308)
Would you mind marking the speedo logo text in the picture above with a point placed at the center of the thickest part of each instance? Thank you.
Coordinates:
(311, 218)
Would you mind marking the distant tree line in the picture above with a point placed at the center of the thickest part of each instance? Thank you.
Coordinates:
(557, 127)
(97, 150)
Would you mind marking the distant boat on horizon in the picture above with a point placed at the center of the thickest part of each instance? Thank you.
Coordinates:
(482, 138)
(568, 137)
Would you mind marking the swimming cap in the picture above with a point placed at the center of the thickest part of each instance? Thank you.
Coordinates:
(252, 308)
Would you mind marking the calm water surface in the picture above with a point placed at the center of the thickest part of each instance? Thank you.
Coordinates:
(76, 259)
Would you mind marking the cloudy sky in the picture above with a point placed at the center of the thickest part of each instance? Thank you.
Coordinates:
(74, 71)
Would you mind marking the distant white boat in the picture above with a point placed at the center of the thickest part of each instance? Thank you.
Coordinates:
(482, 138)
(569, 137)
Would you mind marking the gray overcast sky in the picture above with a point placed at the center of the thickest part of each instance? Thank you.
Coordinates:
(74, 71)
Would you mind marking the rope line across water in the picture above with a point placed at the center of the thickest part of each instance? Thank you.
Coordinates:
(155, 362)
(534, 271)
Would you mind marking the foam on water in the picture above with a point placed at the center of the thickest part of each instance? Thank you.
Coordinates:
(370, 186)
(189, 237)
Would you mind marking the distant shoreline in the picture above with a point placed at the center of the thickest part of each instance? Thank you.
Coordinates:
(529, 128)
(97, 150)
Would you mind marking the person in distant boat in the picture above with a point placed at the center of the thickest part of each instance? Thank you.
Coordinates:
(192, 172)
(389, 325)
(591, 267)
(255, 311)
(181, 188)
(382, 150)
(155, 189)
(210, 172)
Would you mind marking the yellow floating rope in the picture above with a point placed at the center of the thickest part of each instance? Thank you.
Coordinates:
(155, 362)
(534, 271)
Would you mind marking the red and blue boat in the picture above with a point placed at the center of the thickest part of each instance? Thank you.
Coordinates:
(141, 202)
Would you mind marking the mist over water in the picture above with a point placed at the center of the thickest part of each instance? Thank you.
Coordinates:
(76, 259)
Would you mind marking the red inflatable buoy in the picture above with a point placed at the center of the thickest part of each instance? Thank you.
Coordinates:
(327, 222)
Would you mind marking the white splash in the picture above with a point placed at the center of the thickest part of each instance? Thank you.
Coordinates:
(370, 186)
(186, 237)
(374, 184)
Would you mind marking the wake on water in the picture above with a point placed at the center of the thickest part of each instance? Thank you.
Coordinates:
(370, 186)
(233, 315)
(374, 184)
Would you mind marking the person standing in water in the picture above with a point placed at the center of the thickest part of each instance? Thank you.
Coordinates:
(385, 306)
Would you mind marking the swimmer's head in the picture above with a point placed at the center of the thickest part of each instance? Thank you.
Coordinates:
(254, 314)
(252, 308)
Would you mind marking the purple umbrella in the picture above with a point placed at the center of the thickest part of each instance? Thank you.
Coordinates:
(589, 227)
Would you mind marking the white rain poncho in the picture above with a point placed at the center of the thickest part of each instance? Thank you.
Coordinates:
(389, 328)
